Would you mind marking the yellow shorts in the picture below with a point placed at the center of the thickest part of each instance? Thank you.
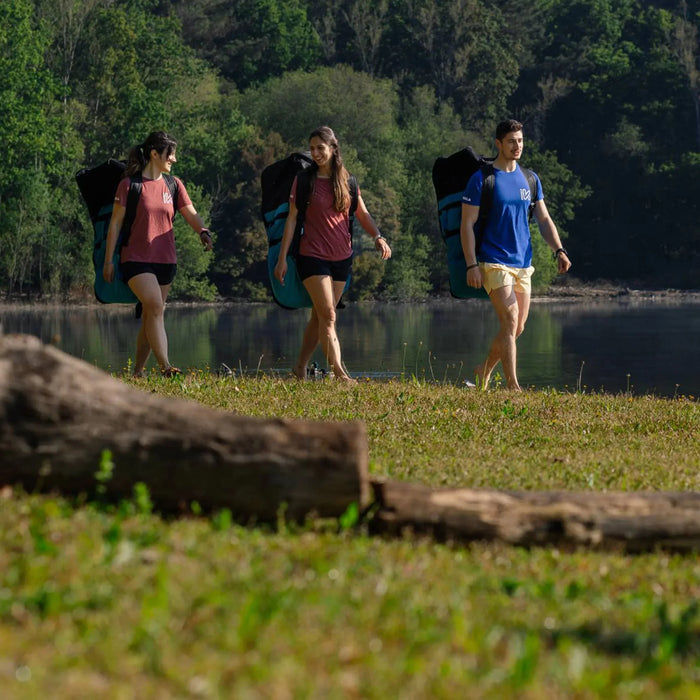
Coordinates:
(495, 275)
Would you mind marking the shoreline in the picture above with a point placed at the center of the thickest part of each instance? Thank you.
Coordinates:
(565, 293)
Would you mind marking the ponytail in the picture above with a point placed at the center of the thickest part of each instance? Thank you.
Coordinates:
(139, 155)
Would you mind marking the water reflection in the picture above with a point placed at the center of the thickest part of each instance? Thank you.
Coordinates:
(612, 346)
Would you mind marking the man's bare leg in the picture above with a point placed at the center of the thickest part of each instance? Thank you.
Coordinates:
(483, 371)
(512, 309)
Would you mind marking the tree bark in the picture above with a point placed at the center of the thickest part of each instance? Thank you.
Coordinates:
(58, 414)
(632, 521)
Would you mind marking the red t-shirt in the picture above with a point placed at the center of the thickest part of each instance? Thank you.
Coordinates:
(152, 239)
(326, 231)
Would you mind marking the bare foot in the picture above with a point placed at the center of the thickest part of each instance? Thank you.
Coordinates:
(345, 378)
(299, 372)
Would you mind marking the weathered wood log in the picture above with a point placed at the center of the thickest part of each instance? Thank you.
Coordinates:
(631, 521)
(58, 414)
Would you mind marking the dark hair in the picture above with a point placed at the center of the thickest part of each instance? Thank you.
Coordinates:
(506, 127)
(141, 154)
(339, 175)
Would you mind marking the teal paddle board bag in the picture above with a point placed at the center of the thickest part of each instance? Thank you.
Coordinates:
(450, 177)
(276, 183)
(97, 187)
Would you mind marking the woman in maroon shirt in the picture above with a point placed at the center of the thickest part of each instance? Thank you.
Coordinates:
(148, 259)
(325, 251)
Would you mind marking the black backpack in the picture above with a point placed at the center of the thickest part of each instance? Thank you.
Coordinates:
(97, 186)
(450, 177)
(276, 183)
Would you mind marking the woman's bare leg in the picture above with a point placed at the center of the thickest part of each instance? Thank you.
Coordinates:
(324, 293)
(152, 333)
(308, 345)
(143, 351)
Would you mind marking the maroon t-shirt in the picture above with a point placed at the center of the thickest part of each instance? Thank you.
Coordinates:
(151, 238)
(326, 231)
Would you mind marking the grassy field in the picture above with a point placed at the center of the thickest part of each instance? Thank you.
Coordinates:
(119, 602)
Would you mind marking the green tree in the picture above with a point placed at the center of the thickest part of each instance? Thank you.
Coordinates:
(194, 262)
(250, 41)
(462, 48)
(429, 129)
(28, 145)
(617, 124)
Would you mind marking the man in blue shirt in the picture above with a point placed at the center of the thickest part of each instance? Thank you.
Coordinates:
(504, 265)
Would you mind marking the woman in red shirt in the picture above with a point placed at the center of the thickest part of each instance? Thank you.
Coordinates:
(148, 260)
(325, 251)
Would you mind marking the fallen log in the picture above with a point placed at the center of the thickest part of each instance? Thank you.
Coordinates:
(58, 414)
(631, 521)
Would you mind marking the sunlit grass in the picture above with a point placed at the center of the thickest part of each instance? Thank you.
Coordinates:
(116, 601)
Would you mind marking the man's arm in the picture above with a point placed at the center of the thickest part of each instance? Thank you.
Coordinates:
(551, 235)
(470, 215)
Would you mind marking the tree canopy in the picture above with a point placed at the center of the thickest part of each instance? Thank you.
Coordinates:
(608, 92)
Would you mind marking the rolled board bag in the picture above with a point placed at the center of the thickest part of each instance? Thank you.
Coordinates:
(98, 186)
(450, 177)
(276, 183)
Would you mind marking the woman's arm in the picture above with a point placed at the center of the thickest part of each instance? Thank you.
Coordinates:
(115, 226)
(191, 216)
(368, 224)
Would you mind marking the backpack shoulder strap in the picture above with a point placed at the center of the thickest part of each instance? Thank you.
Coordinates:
(487, 189)
(532, 182)
(132, 200)
(174, 189)
(354, 198)
(352, 184)
(303, 193)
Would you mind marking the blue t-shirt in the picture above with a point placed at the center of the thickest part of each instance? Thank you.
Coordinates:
(507, 234)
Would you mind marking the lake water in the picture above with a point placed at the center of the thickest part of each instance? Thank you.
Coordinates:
(646, 347)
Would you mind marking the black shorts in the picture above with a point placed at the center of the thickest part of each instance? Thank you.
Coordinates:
(164, 272)
(338, 270)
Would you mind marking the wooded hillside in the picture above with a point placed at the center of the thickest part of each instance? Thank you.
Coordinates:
(608, 91)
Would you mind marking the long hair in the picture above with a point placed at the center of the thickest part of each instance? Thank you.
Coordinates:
(339, 175)
(140, 155)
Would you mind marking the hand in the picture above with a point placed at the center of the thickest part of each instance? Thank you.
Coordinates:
(563, 263)
(383, 247)
(281, 270)
(108, 271)
(206, 239)
(474, 278)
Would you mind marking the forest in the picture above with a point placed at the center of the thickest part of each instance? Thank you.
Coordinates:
(608, 92)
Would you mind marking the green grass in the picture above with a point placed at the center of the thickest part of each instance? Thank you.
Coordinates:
(115, 601)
